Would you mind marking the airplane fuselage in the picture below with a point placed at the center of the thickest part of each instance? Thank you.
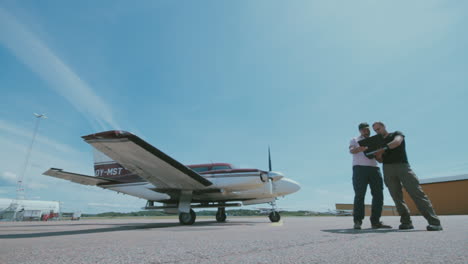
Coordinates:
(228, 185)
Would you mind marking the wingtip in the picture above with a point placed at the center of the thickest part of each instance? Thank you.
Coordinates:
(107, 134)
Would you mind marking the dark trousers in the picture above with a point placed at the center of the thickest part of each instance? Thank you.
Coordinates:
(362, 176)
(401, 175)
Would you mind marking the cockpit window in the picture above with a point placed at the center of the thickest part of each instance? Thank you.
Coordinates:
(201, 169)
(220, 168)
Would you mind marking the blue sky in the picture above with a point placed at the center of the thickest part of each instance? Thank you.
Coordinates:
(221, 80)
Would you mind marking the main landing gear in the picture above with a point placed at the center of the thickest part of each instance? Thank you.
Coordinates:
(221, 215)
(186, 214)
(187, 218)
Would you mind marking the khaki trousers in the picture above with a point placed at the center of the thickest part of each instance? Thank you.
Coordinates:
(398, 175)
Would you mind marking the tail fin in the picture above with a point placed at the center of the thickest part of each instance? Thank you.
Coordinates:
(107, 168)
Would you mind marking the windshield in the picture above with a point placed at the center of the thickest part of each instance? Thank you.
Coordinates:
(220, 168)
(200, 169)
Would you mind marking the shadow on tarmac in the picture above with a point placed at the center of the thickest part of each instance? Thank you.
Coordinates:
(353, 231)
(121, 227)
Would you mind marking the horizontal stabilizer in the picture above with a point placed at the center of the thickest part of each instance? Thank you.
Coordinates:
(77, 178)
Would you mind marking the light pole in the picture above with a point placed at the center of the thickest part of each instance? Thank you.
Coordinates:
(19, 184)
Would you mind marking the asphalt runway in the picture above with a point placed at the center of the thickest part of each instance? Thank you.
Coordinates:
(240, 240)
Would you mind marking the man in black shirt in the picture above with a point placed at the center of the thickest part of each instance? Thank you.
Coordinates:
(398, 173)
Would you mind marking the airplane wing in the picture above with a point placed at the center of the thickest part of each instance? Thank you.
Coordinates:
(141, 158)
(77, 178)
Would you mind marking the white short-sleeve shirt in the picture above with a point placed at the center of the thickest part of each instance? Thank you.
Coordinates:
(359, 159)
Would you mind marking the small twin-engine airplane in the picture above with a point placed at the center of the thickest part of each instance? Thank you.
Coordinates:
(127, 164)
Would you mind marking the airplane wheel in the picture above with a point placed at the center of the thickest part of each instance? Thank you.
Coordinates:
(221, 216)
(187, 218)
(274, 217)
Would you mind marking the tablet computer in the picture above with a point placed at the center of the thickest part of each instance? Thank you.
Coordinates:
(373, 144)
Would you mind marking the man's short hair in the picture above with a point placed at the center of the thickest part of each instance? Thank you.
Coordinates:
(363, 125)
(378, 123)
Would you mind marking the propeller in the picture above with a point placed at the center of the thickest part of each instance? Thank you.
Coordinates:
(271, 183)
(272, 178)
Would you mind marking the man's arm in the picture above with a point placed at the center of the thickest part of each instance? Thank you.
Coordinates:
(391, 145)
(355, 148)
(395, 142)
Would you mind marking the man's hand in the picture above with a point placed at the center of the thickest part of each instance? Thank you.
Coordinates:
(379, 155)
(358, 149)
(363, 148)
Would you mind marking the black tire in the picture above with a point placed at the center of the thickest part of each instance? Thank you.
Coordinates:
(274, 217)
(221, 216)
(187, 218)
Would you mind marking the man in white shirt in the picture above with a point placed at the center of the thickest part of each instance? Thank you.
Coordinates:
(366, 172)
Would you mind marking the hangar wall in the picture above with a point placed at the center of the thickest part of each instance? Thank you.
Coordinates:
(449, 195)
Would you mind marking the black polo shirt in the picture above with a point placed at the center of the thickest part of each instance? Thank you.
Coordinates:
(398, 154)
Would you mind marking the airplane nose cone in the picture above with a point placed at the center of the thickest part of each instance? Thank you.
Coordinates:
(289, 186)
(294, 186)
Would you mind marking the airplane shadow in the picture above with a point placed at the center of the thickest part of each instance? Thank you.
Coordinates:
(121, 227)
(353, 231)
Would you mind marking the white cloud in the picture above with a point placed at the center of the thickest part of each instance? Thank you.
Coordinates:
(35, 185)
(11, 178)
(45, 153)
(8, 176)
(21, 132)
(43, 156)
(61, 78)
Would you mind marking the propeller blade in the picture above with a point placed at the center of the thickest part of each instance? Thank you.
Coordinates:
(269, 159)
(270, 187)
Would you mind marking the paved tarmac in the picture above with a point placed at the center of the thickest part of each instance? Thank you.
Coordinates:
(240, 240)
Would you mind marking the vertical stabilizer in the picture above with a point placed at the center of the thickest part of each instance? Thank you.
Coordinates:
(108, 168)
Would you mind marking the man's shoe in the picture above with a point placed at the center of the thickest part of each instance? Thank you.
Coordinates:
(357, 225)
(434, 228)
(380, 225)
(406, 226)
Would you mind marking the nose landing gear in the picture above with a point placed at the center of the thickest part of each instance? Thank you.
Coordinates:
(274, 215)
